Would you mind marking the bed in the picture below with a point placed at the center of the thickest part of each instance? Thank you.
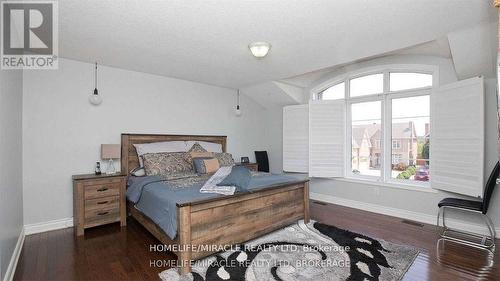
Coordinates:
(218, 220)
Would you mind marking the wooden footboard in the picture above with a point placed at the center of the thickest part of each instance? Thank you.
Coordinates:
(234, 220)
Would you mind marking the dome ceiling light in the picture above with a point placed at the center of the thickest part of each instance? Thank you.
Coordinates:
(259, 49)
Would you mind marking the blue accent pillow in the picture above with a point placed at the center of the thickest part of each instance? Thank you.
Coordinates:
(239, 177)
(199, 165)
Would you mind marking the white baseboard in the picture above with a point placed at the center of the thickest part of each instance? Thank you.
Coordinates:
(400, 213)
(47, 226)
(11, 268)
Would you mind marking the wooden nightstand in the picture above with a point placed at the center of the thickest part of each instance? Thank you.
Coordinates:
(98, 200)
(250, 166)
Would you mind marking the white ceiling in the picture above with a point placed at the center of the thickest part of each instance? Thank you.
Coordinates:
(206, 41)
(439, 47)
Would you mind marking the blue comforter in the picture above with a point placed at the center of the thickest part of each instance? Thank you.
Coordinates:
(158, 199)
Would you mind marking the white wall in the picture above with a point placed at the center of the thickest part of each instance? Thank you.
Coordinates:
(414, 201)
(11, 200)
(63, 132)
(274, 138)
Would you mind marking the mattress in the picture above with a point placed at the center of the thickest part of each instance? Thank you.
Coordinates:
(157, 198)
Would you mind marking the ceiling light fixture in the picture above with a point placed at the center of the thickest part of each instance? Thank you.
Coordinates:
(94, 98)
(238, 110)
(259, 49)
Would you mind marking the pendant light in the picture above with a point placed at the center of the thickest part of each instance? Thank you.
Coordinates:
(238, 110)
(94, 98)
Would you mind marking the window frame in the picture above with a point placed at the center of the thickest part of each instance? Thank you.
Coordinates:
(400, 156)
(410, 71)
(386, 98)
(319, 96)
(398, 142)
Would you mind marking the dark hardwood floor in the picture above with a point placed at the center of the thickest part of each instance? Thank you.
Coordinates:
(111, 253)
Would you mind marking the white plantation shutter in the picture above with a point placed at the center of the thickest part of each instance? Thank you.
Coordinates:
(296, 138)
(457, 137)
(326, 138)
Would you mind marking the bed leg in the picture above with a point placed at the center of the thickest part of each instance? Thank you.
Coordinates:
(185, 239)
(306, 203)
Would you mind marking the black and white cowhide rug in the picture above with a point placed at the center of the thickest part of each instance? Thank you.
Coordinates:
(304, 252)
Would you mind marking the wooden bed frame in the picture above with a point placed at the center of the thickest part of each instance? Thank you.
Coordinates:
(220, 221)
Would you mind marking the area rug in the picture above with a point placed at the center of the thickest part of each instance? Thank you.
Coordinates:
(313, 251)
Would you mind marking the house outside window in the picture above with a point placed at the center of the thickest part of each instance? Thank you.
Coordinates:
(388, 107)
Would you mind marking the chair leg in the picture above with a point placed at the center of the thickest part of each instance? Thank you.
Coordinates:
(491, 229)
(438, 216)
(490, 224)
(484, 239)
(444, 218)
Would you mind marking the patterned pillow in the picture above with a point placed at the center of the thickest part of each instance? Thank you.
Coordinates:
(196, 149)
(166, 164)
(225, 159)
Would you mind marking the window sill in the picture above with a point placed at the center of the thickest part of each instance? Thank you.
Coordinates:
(404, 186)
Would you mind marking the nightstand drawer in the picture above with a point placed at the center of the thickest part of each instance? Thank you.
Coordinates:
(102, 181)
(102, 203)
(100, 191)
(252, 167)
(101, 216)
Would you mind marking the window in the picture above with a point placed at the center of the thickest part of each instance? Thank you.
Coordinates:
(386, 137)
(411, 126)
(333, 93)
(367, 85)
(396, 158)
(366, 119)
(406, 81)
(388, 113)
(396, 144)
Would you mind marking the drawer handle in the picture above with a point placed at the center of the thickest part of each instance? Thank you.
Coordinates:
(103, 202)
(102, 189)
(102, 213)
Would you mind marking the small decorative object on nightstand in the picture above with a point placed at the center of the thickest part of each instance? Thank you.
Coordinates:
(98, 200)
(97, 170)
(110, 152)
(250, 166)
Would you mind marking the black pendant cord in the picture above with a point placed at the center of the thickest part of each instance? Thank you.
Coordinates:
(238, 100)
(95, 79)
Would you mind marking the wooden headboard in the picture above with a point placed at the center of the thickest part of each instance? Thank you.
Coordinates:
(129, 159)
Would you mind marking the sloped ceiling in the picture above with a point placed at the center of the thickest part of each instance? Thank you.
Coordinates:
(439, 47)
(274, 94)
(474, 50)
(206, 41)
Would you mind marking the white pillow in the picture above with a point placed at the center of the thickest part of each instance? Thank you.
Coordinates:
(138, 172)
(158, 147)
(209, 146)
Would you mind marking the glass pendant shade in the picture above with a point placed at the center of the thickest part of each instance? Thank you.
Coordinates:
(237, 111)
(95, 99)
